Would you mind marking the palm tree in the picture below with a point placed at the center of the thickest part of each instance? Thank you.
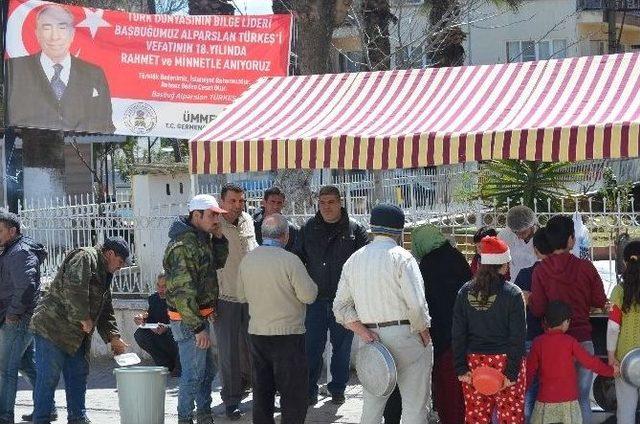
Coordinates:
(447, 37)
(536, 183)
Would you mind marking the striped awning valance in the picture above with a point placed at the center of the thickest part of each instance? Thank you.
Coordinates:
(556, 110)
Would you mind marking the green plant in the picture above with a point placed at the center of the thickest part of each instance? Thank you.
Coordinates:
(539, 184)
(466, 189)
(614, 191)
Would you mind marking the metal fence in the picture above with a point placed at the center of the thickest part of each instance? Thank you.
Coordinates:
(64, 224)
(63, 227)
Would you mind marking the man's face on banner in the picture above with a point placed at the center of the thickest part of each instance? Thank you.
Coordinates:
(54, 30)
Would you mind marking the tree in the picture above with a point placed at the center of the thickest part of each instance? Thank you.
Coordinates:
(538, 184)
(315, 22)
(446, 35)
(211, 7)
(377, 16)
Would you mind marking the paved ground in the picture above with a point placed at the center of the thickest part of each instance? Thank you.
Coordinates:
(102, 401)
(103, 408)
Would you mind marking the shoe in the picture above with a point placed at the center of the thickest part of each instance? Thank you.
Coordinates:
(29, 417)
(312, 400)
(337, 399)
(233, 413)
(187, 421)
(80, 421)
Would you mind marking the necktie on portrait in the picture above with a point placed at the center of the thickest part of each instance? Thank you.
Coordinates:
(57, 85)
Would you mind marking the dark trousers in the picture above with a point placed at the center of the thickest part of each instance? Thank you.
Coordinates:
(319, 319)
(279, 363)
(162, 348)
(231, 327)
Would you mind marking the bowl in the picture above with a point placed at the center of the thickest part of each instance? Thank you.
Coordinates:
(487, 380)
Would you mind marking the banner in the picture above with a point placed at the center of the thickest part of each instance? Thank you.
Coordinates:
(90, 70)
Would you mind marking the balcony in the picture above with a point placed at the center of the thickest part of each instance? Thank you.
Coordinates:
(593, 12)
(621, 5)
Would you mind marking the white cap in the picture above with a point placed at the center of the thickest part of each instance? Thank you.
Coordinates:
(203, 202)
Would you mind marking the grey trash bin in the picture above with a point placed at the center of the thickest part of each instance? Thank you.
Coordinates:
(141, 392)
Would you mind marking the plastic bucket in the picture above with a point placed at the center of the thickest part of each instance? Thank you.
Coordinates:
(141, 392)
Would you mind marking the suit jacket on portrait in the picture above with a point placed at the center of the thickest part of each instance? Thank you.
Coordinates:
(84, 107)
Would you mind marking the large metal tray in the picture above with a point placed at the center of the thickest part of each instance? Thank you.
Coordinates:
(630, 367)
(376, 369)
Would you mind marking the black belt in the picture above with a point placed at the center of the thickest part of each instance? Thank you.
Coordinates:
(387, 324)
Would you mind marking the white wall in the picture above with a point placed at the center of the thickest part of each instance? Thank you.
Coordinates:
(534, 20)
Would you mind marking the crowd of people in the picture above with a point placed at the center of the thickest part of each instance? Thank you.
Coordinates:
(272, 292)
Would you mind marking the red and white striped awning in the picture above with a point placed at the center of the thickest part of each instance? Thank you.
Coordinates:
(556, 110)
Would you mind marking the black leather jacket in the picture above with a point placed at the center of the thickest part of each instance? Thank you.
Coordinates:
(324, 248)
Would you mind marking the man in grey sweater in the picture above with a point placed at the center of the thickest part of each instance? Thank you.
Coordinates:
(277, 288)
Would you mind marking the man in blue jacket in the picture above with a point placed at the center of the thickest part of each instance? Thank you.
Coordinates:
(19, 289)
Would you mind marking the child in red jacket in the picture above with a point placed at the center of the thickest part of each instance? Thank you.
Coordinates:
(553, 357)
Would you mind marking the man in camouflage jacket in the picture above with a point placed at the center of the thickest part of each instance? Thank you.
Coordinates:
(77, 302)
(195, 250)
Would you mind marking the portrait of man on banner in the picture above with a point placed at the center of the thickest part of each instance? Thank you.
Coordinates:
(54, 89)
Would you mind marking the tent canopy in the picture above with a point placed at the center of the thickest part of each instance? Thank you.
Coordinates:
(555, 110)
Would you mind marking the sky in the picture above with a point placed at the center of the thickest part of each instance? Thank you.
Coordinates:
(254, 7)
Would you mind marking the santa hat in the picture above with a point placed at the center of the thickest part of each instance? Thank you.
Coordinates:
(494, 251)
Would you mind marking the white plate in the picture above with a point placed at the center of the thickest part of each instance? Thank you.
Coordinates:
(127, 359)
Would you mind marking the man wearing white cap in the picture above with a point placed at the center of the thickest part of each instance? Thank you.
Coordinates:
(521, 226)
(195, 251)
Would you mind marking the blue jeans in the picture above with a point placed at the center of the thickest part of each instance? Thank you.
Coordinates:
(198, 372)
(16, 354)
(585, 380)
(532, 392)
(50, 362)
(319, 319)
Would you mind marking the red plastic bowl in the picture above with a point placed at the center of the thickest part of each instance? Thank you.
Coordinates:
(487, 380)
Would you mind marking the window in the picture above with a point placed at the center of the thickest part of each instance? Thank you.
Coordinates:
(513, 51)
(559, 49)
(597, 47)
(411, 57)
(525, 51)
(350, 61)
(528, 51)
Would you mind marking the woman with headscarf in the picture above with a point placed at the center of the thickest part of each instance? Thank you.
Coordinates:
(444, 270)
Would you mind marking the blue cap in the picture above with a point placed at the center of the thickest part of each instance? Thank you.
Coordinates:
(387, 219)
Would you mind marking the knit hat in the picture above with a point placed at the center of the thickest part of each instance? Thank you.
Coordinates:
(426, 238)
(387, 220)
(520, 218)
(494, 251)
